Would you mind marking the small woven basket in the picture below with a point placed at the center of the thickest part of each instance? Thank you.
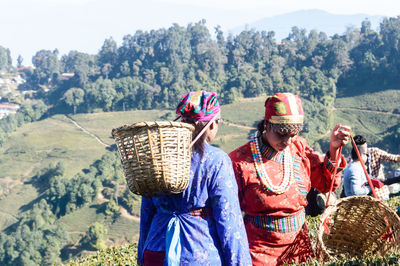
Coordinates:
(155, 156)
(358, 227)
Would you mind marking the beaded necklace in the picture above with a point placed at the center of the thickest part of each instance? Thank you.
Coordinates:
(288, 175)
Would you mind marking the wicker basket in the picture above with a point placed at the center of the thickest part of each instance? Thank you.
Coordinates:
(357, 227)
(155, 156)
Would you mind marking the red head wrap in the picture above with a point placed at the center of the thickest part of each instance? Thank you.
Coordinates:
(284, 108)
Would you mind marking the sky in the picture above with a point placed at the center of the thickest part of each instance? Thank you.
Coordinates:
(27, 26)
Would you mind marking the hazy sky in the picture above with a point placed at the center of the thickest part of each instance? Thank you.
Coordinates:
(27, 26)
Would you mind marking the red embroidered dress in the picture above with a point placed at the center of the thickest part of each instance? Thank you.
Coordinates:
(275, 223)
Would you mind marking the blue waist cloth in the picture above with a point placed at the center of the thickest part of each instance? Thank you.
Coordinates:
(173, 247)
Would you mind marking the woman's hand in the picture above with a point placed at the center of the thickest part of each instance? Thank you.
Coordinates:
(339, 137)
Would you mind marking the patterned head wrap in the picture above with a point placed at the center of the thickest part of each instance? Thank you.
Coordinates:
(198, 106)
(285, 112)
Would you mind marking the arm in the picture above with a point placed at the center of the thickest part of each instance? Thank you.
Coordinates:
(147, 212)
(322, 173)
(238, 176)
(227, 215)
(320, 168)
(387, 157)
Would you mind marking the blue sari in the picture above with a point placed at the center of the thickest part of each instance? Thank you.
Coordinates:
(202, 225)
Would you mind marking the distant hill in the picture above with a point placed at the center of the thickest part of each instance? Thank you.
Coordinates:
(309, 19)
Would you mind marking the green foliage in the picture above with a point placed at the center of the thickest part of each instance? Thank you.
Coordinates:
(27, 113)
(36, 240)
(94, 237)
(123, 255)
(5, 59)
(112, 210)
(74, 97)
(130, 202)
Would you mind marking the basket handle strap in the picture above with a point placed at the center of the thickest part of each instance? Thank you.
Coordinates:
(202, 131)
(363, 166)
(334, 174)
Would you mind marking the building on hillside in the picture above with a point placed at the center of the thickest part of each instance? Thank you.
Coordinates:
(25, 67)
(67, 75)
(6, 109)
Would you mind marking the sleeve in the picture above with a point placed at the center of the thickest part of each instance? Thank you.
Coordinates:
(147, 211)
(238, 176)
(322, 169)
(357, 185)
(227, 215)
(387, 157)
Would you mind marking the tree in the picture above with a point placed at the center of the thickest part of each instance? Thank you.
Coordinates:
(102, 94)
(108, 56)
(46, 64)
(74, 97)
(112, 210)
(20, 59)
(81, 64)
(94, 237)
(5, 59)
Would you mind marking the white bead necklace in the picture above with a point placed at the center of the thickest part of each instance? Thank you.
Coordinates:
(288, 175)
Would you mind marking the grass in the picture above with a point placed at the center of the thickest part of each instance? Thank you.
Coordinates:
(230, 137)
(15, 203)
(78, 222)
(371, 125)
(36, 145)
(122, 231)
(246, 112)
(101, 124)
(80, 219)
(385, 101)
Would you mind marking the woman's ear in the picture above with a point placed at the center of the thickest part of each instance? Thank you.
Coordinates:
(212, 125)
(265, 126)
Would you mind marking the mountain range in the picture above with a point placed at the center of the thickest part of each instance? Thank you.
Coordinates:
(309, 19)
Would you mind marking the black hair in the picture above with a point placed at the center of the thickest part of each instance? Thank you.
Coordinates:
(260, 126)
(199, 145)
(359, 140)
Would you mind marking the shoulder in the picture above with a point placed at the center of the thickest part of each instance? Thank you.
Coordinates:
(300, 144)
(352, 168)
(215, 151)
(240, 153)
(214, 155)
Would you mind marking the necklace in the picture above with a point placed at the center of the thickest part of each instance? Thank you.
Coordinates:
(288, 173)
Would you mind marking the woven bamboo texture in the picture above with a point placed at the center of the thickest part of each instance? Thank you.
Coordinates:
(155, 156)
(358, 227)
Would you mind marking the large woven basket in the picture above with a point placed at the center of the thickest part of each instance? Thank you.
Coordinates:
(358, 227)
(155, 156)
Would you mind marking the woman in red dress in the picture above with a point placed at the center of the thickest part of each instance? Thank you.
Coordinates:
(274, 172)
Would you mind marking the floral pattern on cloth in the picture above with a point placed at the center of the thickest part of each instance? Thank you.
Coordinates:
(269, 247)
(217, 240)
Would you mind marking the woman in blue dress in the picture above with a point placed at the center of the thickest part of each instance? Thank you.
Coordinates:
(202, 225)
